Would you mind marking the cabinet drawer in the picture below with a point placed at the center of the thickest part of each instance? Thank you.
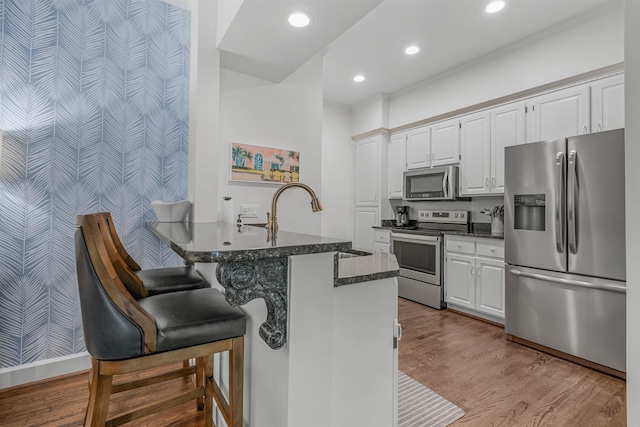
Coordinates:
(382, 236)
(490, 248)
(462, 246)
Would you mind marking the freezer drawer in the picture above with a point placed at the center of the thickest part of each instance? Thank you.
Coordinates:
(578, 315)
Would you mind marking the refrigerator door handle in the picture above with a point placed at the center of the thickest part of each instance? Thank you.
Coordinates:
(560, 174)
(578, 283)
(571, 202)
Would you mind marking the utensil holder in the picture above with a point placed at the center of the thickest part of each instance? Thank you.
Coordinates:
(497, 226)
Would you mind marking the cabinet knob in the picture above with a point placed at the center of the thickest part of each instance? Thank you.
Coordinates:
(486, 182)
(584, 129)
(493, 182)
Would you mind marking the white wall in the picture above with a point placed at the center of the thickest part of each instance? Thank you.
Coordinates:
(370, 114)
(204, 108)
(590, 42)
(337, 172)
(632, 172)
(286, 115)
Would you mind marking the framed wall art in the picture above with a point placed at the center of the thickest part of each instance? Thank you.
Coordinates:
(265, 165)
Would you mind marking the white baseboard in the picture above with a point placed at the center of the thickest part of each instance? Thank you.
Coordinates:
(50, 368)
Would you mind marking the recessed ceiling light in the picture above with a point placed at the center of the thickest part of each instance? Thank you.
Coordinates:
(359, 78)
(412, 50)
(494, 6)
(299, 19)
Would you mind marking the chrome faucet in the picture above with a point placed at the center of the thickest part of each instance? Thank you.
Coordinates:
(272, 218)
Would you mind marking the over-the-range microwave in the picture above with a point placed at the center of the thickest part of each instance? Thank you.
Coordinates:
(439, 183)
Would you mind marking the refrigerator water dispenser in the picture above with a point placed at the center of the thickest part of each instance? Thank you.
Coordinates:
(529, 212)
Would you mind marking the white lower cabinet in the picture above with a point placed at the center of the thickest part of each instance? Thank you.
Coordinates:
(382, 240)
(365, 220)
(474, 276)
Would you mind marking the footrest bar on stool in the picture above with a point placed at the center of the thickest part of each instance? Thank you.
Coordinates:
(178, 373)
(155, 407)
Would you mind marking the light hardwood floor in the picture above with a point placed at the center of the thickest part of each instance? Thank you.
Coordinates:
(500, 383)
(469, 362)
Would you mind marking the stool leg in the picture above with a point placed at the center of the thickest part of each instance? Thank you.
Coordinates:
(208, 401)
(99, 393)
(200, 380)
(236, 380)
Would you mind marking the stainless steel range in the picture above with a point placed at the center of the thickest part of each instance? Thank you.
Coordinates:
(420, 254)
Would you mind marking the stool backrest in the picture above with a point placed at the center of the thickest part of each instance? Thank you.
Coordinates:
(131, 281)
(115, 325)
(106, 217)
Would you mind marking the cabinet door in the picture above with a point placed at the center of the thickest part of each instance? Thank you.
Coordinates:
(460, 280)
(507, 128)
(490, 286)
(397, 164)
(419, 148)
(382, 247)
(561, 114)
(607, 103)
(365, 219)
(475, 148)
(445, 143)
(367, 172)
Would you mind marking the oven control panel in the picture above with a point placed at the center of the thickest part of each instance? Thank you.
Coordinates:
(459, 217)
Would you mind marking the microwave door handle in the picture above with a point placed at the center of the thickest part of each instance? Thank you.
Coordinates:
(571, 202)
(560, 185)
(445, 184)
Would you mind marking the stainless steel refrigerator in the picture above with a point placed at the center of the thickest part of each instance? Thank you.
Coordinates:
(565, 284)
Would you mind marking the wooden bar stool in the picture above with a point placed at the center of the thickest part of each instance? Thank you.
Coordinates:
(125, 335)
(143, 283)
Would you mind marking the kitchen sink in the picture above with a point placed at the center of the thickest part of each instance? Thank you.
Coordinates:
(353, 253)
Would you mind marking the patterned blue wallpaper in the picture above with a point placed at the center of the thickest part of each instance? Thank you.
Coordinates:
(94, 98)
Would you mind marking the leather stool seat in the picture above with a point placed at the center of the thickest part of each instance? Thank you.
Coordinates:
(170, 279)
(189, 318)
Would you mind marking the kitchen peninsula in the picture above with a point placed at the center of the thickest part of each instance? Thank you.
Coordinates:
(321, 351)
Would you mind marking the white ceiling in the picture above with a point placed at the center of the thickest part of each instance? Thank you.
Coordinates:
(369, 37)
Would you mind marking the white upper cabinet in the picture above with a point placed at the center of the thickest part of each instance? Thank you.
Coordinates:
(475, 148)
(483, 137)
(607, 103)
(507, 128)
(445, 142)
(419, 148)
(367, 172)
(397, 164)
(560, 114)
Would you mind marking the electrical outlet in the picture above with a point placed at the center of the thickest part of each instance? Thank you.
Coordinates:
(249, 211)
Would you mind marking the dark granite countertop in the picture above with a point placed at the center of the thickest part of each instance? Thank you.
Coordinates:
(218, 241)
(379, 265)
(478, 229)
(215, 242)
(476, 234)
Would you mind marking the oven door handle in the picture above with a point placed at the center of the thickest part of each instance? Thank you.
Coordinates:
(414, 237)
